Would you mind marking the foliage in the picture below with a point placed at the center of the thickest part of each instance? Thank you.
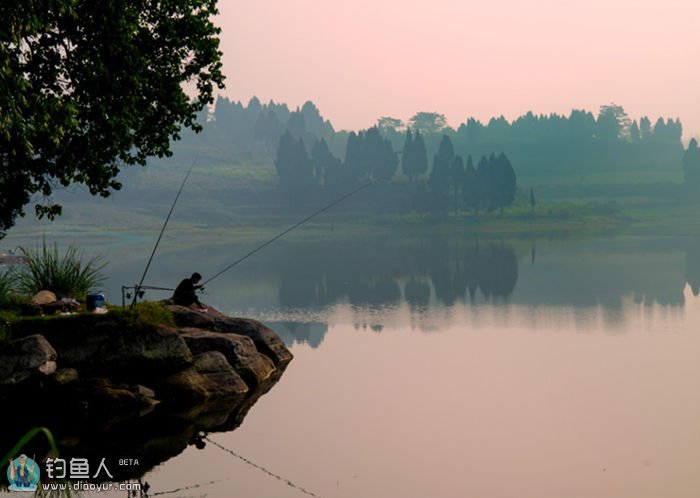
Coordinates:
(24, 440)
(7, 283)
(66, 275)
(88, 87)
(388, 124)
(613, 123)
(5, 319)
(428, 122)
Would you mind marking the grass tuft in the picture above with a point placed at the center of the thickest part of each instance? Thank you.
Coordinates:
(66, 275)
(7, 284)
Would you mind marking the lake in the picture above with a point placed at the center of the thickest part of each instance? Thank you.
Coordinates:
(428, 366)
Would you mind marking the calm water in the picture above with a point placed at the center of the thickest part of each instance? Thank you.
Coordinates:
(459, 368)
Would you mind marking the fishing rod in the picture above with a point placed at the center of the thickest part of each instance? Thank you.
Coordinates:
(296, 225)
(155, 247)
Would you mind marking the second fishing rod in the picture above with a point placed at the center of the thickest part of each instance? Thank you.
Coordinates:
(293, 227)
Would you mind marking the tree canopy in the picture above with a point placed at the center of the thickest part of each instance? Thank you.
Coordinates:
(88, 87)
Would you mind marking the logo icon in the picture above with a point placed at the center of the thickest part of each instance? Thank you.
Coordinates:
(23, 474)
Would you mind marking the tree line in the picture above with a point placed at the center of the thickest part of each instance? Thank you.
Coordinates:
(577, 142)
(450, 181)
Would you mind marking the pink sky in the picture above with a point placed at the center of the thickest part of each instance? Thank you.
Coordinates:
(362, 59)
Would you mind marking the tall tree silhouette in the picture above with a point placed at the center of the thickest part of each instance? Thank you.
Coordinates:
(613, 123)
(355, 157)
(323, 161)
(470, 189)
(380, 156)
(439, 180)
(483, 183)
(503, 186)
(294, 167)
(407, 156)
(419, 156)
(457, 177)
(691, 166)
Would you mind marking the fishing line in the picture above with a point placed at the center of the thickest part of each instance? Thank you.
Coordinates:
(193, 486)
(259, 467)
(323, 209)
(155, 247)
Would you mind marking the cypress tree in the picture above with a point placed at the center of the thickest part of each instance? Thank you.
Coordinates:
(420, 155)
(470, 187)
(407, 156)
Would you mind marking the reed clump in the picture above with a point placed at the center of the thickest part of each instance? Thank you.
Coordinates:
(65, 273)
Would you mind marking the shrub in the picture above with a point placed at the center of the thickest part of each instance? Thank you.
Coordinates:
(65, 275)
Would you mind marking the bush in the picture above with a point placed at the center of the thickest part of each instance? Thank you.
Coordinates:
(66, 276)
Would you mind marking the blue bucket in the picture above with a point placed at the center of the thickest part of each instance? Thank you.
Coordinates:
(94, 301)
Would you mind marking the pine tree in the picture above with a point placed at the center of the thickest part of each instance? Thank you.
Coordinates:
(420, 155)
(470, 188)
(293, 165)
(354, 156)
(440, 175)
(691, 166)
(457, 176)
(322, 161)
(503, 186)
(408, 156)
(483, 184)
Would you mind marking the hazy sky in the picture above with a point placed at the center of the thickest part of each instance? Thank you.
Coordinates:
(361, 59)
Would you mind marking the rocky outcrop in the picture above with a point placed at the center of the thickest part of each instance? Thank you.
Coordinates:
(25, 358)
(123, 382)
(266, 340)
(111, 347)
(238, 350)
(210, 376)
(135, 361)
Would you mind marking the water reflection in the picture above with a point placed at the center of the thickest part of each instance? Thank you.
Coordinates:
(149, 438)
(692, 266)
(291, 332)
(445, 273)
(428, 284)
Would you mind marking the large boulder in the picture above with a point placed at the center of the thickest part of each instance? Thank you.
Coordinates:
(104, 346)
(266, 340)
(210, 376)
(26, 357)
(254, 367)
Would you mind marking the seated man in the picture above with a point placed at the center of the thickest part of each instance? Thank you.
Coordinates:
(184, 293)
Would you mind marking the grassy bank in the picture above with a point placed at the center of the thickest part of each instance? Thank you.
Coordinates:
(241, 204)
